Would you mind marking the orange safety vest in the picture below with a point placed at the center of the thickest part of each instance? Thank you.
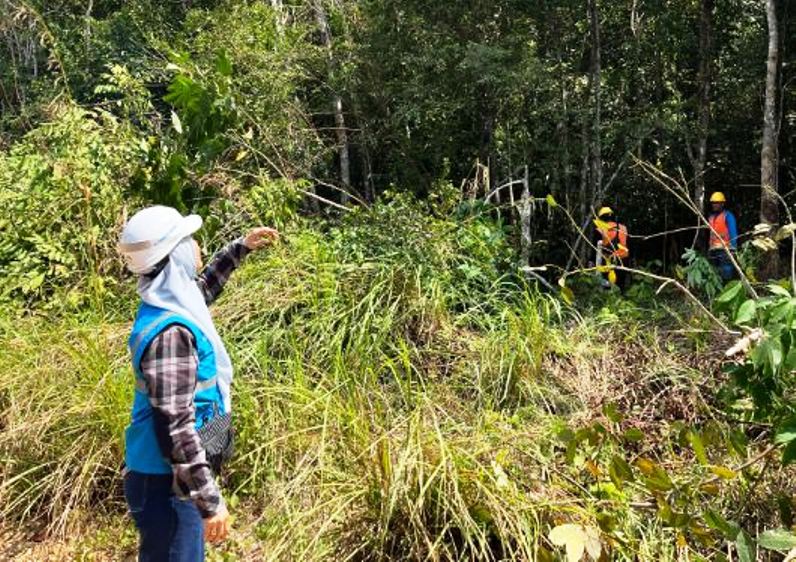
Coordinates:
(610, 235)
(720, 233)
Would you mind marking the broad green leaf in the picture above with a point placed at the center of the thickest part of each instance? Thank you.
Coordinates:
(778, 290)
(730, 292)
(745, 547)
(767, 355)
(789, 364)
(782, 311)
(715, 521)
(746, 312)
(775, 353)
(737, 442)
(789, 453)
(620, 471)
(777, 539)
(633, 434)
(786, 432)
(658, 482)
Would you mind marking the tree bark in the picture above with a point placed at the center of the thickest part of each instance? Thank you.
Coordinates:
(337, 104)
(595, 143)
(769, 159)
(705, 78)
(581, 250)
(525, 220)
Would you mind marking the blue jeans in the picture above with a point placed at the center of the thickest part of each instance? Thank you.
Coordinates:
(170, 529)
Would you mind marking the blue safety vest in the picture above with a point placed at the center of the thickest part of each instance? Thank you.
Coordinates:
(142, 452)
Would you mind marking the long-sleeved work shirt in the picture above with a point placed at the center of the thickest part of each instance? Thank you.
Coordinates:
(169, 366)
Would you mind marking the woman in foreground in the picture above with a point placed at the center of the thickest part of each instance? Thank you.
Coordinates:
(180, 432)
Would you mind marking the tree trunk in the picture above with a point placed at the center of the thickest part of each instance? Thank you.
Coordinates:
(703, 102)
(562, 129)
(582, 251)
(525, 220)
(769, 160)
(595, 143)
(337, 105)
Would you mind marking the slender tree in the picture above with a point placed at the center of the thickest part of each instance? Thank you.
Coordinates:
(337, 103)
(595, 142)
(769, 159)
(698, 154)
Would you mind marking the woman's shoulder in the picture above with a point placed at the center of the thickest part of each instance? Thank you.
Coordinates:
(175, 334)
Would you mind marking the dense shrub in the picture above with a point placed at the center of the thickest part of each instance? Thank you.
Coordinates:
(63, 191)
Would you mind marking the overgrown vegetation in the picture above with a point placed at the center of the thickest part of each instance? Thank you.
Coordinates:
(393, 403)
(412, 383)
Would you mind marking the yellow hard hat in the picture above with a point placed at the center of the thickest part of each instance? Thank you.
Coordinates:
(718, 197)
(605, 211)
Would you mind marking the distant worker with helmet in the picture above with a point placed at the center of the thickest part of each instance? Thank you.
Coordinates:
(612, 248)
(723, 236)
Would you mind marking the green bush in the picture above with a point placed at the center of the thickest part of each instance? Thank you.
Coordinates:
(63, 191)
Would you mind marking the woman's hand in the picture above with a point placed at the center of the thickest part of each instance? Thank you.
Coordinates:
(260, 237)
(217, 526)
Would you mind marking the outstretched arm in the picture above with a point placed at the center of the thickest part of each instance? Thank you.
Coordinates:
(213, 278)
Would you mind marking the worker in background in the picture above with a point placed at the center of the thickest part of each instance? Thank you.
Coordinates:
(180, 433)
(723, 236)
(612, 248)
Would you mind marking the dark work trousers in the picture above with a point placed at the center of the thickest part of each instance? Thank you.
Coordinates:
(170, 529)
(721, 261)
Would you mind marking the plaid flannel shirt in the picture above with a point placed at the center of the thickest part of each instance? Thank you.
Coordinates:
(169, 366)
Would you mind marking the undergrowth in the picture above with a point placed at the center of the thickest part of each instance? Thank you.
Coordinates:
(406, 397)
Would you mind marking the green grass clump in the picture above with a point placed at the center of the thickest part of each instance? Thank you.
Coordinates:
(65, 393)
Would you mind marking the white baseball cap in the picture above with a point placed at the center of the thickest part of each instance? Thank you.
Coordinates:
(152, 233)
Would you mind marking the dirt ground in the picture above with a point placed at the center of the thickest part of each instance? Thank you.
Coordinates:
(109, 543)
